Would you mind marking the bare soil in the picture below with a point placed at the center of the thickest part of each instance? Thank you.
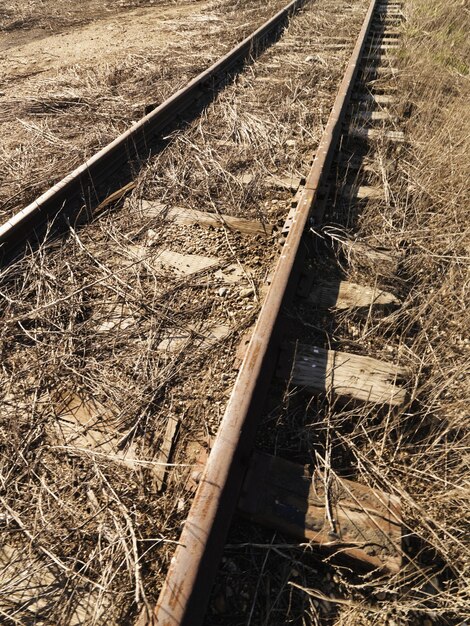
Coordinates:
(106, 36)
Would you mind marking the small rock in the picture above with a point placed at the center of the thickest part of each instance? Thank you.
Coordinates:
(222, 291)
(231, 566)
(246, 293)
(290, 142)
(152, 237)
(246, 179)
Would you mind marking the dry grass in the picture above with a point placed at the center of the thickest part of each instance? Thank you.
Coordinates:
(52, 122)
(59, 14)
(91, 530)
(86, 534)
(422, 453)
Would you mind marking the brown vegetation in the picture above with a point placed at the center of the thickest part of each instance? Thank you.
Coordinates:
(422, 455)
(88, 391)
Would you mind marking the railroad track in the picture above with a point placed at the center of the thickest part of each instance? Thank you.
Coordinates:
(319, 507)
(310, 504)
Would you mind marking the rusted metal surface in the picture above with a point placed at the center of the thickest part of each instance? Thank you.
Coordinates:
(184, 596)
(90, 183)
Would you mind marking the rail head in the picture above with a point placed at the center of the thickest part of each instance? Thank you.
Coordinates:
(184, 596)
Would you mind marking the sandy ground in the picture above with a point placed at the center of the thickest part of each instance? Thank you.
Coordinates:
(25, 53)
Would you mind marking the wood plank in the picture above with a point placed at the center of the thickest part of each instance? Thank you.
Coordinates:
(363, 192)
(73, 408)
(347, 295)
(341, 515)
(166, 449)
(345, 375)
(163, 259)
(201, 339)
(85, 425)
(289, 182)
(270, 79)
(373, 116)
(112, 315)
(384, 70)
(36, 585)
(384, 42)
(378, 260)
(188, 217)
(375, 98)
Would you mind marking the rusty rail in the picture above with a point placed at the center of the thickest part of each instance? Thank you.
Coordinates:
(183, 599)
(91, 182)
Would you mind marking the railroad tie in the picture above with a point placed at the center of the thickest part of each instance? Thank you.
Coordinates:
(373, 116)
(363, 192)
(394, 136)
(38, 575)
(84, 426)
(189, 217)
(345, 375)
(338, 514)
(176, 339)
(347, 295)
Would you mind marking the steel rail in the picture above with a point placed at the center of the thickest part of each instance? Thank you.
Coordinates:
(83, 186)
(184, 596)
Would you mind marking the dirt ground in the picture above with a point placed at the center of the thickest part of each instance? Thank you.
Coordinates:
(27, 20)
(96, 33)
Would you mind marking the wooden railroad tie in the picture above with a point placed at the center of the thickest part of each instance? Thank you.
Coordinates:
(373, 116)
(202, 338)
(161, 260)
(346, 295)
(377, 98)
(345, 375)
(35, 583)
(396, 136)
(363, 192)
(181, 215)
(340, 515)
(84, 426)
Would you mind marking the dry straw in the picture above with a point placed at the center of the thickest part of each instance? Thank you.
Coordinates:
(87, 394)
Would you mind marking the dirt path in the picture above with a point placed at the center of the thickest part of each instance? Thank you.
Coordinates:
(28, 53)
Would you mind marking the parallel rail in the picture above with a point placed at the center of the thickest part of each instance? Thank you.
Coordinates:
(92, 181)
(183, 599)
